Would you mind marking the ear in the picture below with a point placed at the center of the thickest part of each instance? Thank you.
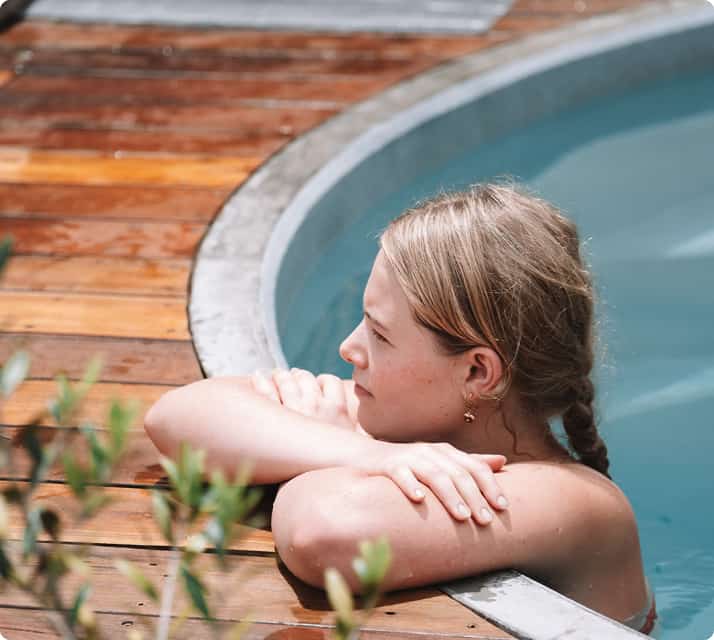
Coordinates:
(485, 372)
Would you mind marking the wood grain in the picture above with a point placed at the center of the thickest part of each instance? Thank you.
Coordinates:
(94, 274)
(262, 586)
(80, 89)
(110, 201)
(81, 237)
(130, 360)
(127, 520)
(28, 166)
(32, 396)
(30, 624)
(164, 140)
(94, 315)
(43, 34)
(229, 118)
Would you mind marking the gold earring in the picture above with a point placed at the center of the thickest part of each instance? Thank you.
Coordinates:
(470, 413)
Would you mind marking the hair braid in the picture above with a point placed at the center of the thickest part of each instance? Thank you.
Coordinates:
(579, 424)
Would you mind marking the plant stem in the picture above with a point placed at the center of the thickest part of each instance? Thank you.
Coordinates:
(167, 593)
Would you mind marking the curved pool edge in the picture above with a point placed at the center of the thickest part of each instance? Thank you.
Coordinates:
(241, 256)
(232, 311)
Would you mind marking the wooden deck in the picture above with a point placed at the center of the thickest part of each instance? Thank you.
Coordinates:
(118, 146)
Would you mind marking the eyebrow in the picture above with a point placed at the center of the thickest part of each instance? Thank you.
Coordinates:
(375, 321)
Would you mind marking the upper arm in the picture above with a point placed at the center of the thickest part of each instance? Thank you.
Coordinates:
(321, 516)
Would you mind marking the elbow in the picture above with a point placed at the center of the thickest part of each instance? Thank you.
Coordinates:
(310, 545)
(157, 425)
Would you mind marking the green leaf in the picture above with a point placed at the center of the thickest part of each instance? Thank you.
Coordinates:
(162, 514)
(3, 517)
(50, 523)
(32, 529)
(100, 458)
(195, 590)
(14, 372)
(171, 470)
(373, 563)
(79, 600)
(339, 594)
(137, 578)
(77, 476)
(120, 420)
(6, 570)
(5, 251)
(91, 375)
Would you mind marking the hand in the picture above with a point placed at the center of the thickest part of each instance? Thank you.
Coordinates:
(323, 397)
(455, 477)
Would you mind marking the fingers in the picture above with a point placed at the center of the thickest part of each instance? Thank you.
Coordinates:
(333, 392)
(457, 490)
(485, 480)
(264, 385)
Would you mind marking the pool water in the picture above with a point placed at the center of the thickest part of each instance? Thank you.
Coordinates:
(636, 172)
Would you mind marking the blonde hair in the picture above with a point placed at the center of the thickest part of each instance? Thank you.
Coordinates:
(497, 266)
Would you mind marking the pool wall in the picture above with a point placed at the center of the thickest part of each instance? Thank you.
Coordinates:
(253, 260)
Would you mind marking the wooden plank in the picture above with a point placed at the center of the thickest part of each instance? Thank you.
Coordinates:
(147, 202)
(266, 589)
(32, 624)
(141, 140)
(94, 315)
(32, 396)
(82, 237)
(199, 90)
(25, 166)
(569, 7)
(97, 275)
(229, 118)
(38, 34)
(138, 467)
(124, 360)
(5, 77)
(127, 520)
(275, 64)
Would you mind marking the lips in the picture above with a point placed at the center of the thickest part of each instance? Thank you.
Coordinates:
(359, 389)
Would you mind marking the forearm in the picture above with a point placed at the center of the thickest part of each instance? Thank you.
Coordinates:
(232, 423)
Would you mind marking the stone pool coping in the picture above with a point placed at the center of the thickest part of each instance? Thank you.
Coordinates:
(234, 283)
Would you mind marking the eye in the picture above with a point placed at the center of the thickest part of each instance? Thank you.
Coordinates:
(379, 336)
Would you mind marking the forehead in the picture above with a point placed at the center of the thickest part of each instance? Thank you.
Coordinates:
(383, 294)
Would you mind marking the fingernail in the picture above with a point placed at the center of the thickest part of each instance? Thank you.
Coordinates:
(502, 502)
(463, 511)
(486, 514)
(419, 493)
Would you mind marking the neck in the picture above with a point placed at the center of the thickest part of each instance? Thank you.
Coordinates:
(489, 433)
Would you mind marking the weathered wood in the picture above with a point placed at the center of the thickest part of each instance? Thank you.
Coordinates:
(228, 118)
(26, 166)
(31, 398)
(128, 360)
(196, 91)
(107, 201)
(275, 64)
(161, 140)
(45, 34)
(264, 587)
(82, 237)
(127, 520)
(138, 467)
(31, 624)
(94, 315)
(96, 275)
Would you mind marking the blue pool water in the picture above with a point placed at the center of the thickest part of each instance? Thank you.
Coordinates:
(636, 172)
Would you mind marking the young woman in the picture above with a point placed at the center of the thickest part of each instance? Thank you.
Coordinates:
(477, 330)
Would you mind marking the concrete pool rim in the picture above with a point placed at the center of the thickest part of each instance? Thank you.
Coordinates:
(233, 288)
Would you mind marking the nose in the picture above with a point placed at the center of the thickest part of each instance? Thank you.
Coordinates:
(352, 348)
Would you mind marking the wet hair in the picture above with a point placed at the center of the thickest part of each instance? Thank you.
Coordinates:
(495, 265)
